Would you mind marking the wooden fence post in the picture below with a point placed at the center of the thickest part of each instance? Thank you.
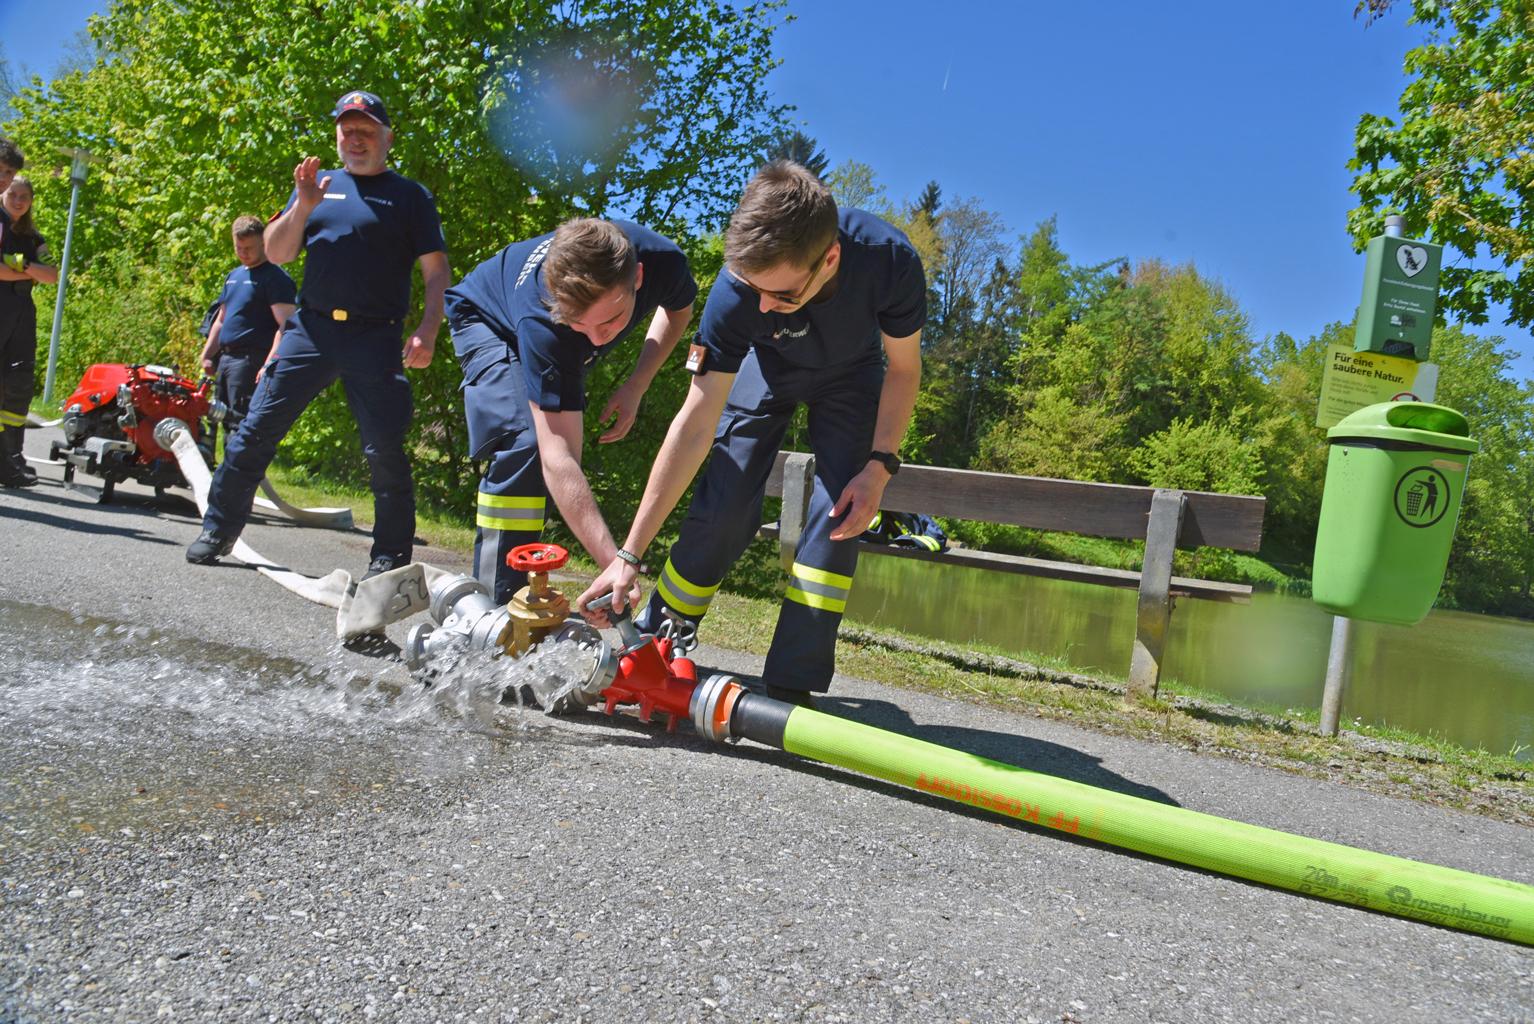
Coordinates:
(798, 481)
(1155, 608)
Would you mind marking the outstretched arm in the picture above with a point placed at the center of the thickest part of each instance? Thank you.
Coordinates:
(897, 399)
(665, 331)
(686, 446)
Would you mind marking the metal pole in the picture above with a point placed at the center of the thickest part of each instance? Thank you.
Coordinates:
(77, 177)
(1338, 667)
(1395, 225)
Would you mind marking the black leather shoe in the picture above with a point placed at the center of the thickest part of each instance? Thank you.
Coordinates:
(10, 476)
(383, 564)
(208, 548)
(25, 470)
(799, 698)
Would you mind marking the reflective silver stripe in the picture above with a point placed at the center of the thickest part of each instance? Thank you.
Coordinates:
(490, 512)
(824, 590)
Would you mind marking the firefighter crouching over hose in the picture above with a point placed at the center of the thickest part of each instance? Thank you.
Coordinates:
(527, 325)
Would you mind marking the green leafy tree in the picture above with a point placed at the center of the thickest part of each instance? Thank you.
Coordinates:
(1457, 163)
(1208, 456)
(855, 184)
(929, 202)
(1055, 436)
(801, 149)
(1492, 562)
(515, 114)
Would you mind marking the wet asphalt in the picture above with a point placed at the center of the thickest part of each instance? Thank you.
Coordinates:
(211, 811)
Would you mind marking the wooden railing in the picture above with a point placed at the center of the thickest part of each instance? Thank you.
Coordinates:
(1164, 519)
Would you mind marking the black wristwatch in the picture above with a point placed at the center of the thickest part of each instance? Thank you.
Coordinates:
(889, 460)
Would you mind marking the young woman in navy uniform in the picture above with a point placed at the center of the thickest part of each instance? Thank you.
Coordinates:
(23, 256)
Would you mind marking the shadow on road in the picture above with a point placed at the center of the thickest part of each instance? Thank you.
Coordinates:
(36, 501)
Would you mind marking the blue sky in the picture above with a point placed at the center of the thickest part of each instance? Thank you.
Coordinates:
(1198, 131)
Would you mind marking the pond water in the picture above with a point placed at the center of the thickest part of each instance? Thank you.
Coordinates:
(1466, 678)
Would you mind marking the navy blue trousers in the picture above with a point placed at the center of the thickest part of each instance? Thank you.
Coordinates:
(726, 509)
(316, 351)
(18, 365)
(235, 383)
(512, 497)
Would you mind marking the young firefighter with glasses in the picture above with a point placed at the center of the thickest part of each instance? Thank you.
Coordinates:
(811, 308)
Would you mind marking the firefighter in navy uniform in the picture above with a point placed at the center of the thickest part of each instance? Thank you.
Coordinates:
(527, 325)
(257, 299)
(23, 256)
(812, 307)
(364, 227)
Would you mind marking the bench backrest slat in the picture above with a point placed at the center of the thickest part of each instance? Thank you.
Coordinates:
(1099, 510)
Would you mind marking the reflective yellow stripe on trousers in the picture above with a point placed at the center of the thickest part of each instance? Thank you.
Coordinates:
(818, 589)
(684, 596)
(506, 512)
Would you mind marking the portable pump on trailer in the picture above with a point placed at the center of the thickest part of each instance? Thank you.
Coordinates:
(110, 420)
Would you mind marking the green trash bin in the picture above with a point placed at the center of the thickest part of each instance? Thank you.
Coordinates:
(1394, 479)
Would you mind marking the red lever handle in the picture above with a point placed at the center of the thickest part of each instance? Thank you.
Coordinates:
(537, 557)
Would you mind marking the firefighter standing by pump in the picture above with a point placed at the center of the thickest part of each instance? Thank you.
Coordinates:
(808, 309)
(257, 298)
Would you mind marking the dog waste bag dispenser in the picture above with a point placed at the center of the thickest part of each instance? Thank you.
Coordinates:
(1395, 475)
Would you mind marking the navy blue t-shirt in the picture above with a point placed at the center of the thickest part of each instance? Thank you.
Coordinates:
(248, 297)
(363, 239)
(507, 294)
(881, 289)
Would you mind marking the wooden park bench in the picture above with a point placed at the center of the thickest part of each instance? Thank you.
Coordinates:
(1164, 519)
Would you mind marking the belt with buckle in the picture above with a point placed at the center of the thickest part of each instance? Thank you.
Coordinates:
(348, 317)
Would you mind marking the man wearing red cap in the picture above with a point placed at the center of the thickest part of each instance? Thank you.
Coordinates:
(364, 227)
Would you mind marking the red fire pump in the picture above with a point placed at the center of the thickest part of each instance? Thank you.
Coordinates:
(110, 419)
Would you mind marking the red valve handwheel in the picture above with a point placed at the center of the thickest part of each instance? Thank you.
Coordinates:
(537, 557)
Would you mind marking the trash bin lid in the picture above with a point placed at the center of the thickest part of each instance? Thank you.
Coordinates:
(1410, 423)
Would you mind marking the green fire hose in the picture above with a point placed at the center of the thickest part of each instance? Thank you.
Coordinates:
(1392, 885)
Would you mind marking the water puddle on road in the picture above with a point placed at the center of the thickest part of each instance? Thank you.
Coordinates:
(109, 725)
(63, 673)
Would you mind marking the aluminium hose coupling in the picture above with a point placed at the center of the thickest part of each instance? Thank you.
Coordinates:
(165, 431)
(467, 617)
(598, 667)
(713, 706)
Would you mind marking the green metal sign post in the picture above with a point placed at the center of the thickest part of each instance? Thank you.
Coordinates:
(1400, 296)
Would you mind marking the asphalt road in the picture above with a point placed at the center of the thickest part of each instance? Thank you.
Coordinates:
(210, 811)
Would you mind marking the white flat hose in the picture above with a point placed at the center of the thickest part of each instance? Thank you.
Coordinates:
(362, 608)
(331, 518)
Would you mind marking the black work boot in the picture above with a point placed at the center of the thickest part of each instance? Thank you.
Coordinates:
(382, 564)
(208, 548)
(14, 471)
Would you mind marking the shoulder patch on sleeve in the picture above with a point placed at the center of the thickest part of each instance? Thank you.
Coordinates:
(696, 355)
